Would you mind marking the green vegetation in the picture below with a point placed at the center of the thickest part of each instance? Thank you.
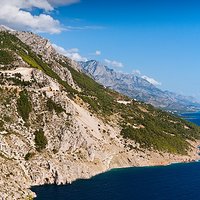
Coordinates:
(17, 81)
(28, 59)
(51, 105)
(35, 61)
(99, 98)
(24, 106)
(1, 125)
(157, 130)
(40, 140)
(149, 127)
(18, 75)
(5, 57)
(7, 118)
(152, 140)
(11, 42)
(28, 156)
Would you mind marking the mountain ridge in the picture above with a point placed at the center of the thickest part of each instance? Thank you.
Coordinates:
(139, 88)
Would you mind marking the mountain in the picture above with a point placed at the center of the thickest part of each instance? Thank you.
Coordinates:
(138, 88)
(58, 125)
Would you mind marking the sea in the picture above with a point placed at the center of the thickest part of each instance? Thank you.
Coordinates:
(173, 182)
(192, 117)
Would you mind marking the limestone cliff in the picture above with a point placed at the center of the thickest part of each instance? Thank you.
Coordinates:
(58, 125)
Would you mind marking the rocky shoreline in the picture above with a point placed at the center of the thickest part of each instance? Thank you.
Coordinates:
(154, 159)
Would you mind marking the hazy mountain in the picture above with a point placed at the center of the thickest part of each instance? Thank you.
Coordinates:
(138, 88)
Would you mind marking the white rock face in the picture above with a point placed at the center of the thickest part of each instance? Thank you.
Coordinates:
(26, 73)
(44, 48)
(80, 143)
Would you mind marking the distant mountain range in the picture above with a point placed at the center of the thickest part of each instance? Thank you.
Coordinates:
(138, 88)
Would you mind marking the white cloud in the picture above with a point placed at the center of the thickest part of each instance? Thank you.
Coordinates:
(71, 53)
(113, 63)
(15, 14)
(151, 80)
(98, 53)
(45, 5)
(24, 4)
(79, 28)
(136, 72)
(62, 2)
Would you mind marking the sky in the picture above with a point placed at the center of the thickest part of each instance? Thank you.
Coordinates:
(158, 40)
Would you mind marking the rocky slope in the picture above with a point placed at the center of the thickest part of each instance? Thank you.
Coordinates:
(57, 124)
(139, 88)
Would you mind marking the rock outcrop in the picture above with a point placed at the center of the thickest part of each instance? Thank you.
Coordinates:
(50, 131)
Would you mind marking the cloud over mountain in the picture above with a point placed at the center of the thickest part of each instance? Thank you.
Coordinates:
(113, 63)
(151, 80)
(17, 14)
(71, 53)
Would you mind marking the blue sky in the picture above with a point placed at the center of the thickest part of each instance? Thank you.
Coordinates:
(159, 38)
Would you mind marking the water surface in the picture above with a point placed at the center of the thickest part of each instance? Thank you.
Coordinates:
(192, 117)
(174, 182)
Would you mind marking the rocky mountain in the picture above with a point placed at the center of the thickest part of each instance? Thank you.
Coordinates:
(58, 125)
(138, 88)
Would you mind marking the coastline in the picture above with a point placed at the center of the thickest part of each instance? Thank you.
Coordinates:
(110, 170)
(192, 157)
(101, 152)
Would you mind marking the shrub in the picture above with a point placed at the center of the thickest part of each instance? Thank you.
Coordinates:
(24, 106)
(5, 57)
(40, 140)
(51, 105)
(28, 156)
(99, 98)
(1, 125)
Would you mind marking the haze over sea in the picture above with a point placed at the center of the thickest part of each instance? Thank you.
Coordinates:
(174, 182)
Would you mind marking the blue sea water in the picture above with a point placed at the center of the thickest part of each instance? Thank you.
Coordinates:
(192, 117)
(173, 182)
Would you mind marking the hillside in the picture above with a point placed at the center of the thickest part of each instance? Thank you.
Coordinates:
(138, 88)
(57, 124)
